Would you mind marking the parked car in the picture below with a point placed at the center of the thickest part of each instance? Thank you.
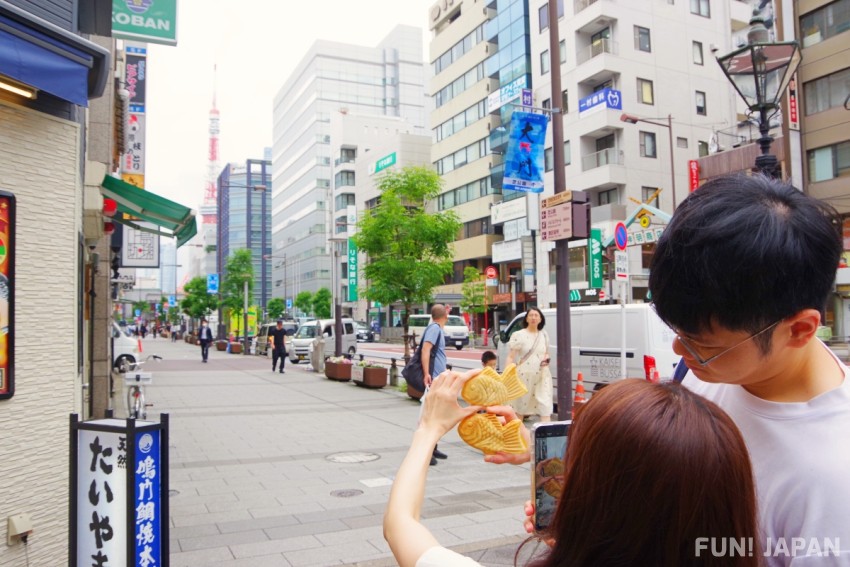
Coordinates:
(455, 332)
(302, 341)
(364, 333)
(125, 349)
(263, 338)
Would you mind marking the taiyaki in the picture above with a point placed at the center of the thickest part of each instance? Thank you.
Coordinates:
(553, 467)
(488, 388)
(553, 488)
(485, 432)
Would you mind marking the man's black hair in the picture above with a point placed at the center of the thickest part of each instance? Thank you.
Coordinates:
(539, 312)
(487, 356)
(743, 252)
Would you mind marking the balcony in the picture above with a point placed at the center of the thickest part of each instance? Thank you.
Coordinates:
(610, 156)
(592, 16)
(598, 63)
(598, 123)
(600, 170)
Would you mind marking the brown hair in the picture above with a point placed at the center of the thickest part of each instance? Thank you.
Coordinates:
(650, 468)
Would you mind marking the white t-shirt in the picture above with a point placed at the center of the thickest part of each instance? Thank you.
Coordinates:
(442, 557)
(801, 460)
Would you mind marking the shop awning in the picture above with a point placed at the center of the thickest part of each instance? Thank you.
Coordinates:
(177, 220)
(42, 55)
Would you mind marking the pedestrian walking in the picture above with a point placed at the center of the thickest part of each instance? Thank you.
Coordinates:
(174, 330)
(278, 340)
(529, 348)
(205, 337)
(434, 344)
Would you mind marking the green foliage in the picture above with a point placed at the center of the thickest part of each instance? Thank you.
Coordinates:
(473, 291)
(238, 270)
(322, 303)
(142, 306)
(409, 250)
(198, 303)
(275, 308)
(304, 302)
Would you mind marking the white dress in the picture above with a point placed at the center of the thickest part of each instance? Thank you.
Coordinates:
(442, 557)
(538, 400)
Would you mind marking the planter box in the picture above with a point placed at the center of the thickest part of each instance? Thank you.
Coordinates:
(235, 348)
(369, 377)
(338, 371)
(221, 345)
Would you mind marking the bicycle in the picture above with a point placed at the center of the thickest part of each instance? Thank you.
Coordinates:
(136, 406)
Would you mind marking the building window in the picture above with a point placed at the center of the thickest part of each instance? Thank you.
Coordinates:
(548, 159)
(644, 89)
(642, 41)
(562, 48)
(681, 142)
(698, 60)
(543, 17)
(829, 162)
(647, 144)
(544, 62)
(825, 22)
(701, 8)
(547, 103)
(565, 102)
(608, 197)
(646, 194)
(700, 99)
(703, 148)
(567, 157)
(827, 92)
(344, 179)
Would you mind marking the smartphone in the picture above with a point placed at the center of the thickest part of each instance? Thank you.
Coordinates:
(547, 472)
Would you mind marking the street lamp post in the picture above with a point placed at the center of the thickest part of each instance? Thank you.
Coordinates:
(760, 72)
(632, 119)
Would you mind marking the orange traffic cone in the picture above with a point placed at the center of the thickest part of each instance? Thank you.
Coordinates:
(579, 399)
(140, 345)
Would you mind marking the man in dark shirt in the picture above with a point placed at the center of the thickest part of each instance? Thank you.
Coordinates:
(277, 338)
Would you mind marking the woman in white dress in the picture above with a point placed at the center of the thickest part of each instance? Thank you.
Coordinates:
(529, 349)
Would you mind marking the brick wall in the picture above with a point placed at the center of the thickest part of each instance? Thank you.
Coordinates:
(39, 163)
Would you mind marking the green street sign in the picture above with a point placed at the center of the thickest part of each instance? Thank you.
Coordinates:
(594, 259)
(384, 163)
(352, 270)
(152, 21)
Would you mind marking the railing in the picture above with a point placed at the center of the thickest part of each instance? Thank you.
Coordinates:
(582, 4)
(597, 48)
(609, 156)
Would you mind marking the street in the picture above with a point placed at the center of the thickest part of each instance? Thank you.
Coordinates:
(295, 469)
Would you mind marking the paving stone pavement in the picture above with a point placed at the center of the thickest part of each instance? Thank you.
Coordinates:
(293, 469)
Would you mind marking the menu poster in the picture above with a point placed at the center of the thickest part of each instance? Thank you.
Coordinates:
(7, 295)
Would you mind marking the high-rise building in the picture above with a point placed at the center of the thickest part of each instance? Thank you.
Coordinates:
(384, 80)
(244, 221)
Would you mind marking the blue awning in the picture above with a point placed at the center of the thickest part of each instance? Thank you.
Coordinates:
(39, 54)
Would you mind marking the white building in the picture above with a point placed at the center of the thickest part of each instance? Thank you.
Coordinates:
(384, 80)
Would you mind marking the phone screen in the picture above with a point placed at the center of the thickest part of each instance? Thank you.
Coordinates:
(547, 474)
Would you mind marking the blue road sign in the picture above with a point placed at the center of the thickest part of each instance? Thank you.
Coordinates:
(212, 283)
(621, 236)
(138, 312)
(288, 303)
(172, 300)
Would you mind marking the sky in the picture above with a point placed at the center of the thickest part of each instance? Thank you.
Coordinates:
(255, 45)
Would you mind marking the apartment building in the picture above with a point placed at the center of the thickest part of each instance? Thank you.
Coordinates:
(388, 80)
(649, 59)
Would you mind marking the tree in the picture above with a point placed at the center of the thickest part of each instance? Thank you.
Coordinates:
(198, 304)
(238, 270)
(141, 306)
(409, 250)
(304, 302)
(275, 308)
(322, 303)
(473, 291)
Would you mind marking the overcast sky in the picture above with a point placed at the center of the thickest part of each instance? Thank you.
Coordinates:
(256, 44)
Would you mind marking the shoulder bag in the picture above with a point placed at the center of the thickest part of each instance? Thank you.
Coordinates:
(413, 372)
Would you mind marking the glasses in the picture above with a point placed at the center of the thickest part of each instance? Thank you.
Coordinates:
(706, 361)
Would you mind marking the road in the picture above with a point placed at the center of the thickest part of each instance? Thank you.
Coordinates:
(463, 359)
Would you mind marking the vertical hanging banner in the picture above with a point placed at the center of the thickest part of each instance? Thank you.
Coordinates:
(7, 295)
(594, 259)
(352, 270)
(524, 160)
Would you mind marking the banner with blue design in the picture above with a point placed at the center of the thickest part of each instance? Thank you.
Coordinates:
(524, 157)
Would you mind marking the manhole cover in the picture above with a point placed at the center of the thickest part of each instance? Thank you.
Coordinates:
(352, 457)
(173, 492)
(346, 493)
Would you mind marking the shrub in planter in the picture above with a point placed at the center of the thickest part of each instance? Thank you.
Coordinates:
(369, 375)
(338, 368)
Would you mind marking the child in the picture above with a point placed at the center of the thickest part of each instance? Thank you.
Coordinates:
(489, 358)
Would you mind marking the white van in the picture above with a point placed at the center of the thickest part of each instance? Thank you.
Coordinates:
(455, 331)
(596, 342)
(302, 341)
(125, 349)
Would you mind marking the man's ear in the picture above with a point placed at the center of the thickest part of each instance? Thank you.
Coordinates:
(803, 326)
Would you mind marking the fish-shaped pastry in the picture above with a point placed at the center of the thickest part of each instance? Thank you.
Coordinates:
(486, 433)
(488, 388)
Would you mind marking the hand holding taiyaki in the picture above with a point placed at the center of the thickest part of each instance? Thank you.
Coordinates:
(486, 432)
(489, 388)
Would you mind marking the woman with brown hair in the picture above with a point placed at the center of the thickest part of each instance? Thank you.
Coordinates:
(652, 473)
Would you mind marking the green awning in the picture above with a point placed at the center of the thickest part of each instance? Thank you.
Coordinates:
(177, 220)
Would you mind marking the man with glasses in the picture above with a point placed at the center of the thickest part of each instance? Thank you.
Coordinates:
(742, 274)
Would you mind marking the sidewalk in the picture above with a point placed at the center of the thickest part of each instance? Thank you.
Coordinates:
(272, 469)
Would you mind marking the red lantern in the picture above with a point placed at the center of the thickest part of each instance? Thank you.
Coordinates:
(110, 207)
(108, 228)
